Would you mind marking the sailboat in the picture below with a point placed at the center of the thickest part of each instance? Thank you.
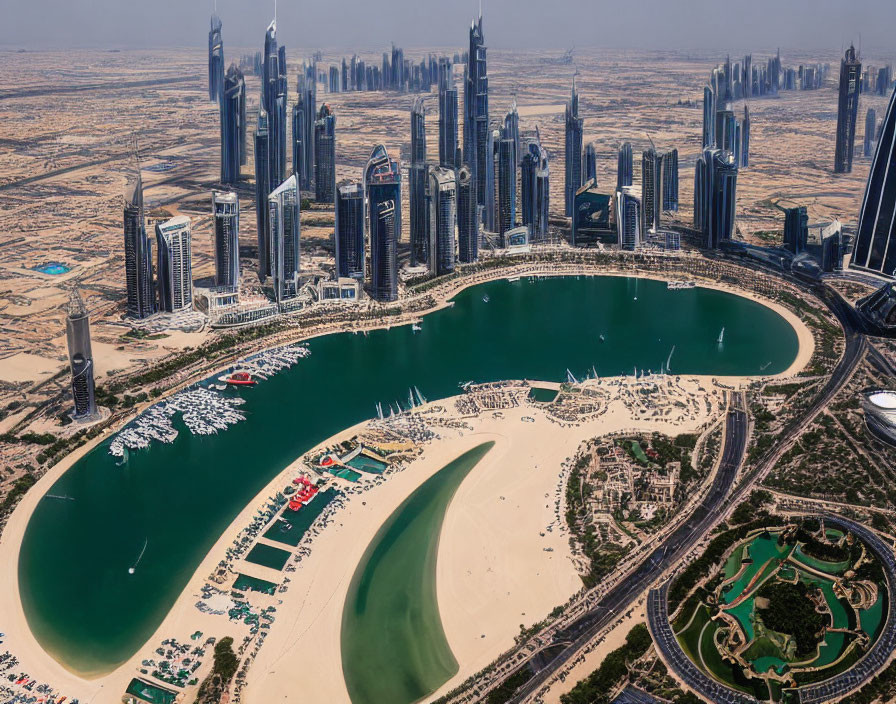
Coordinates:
(670, 358)
(721, 336)
(570, 379)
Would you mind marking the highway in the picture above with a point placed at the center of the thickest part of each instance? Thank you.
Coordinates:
(626, 592)
(721, 496)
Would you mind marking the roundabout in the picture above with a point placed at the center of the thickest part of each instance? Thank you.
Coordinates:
(798, 610)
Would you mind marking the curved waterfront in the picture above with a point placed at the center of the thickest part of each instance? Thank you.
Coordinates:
(86, 609)
(393, 645)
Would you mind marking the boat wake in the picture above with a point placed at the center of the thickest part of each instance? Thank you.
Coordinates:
(133, 569)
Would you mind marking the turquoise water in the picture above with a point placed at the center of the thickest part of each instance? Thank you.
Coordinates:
(766, 554)
(54, 268)
(393, 646)
(86, 609)
(766, 662)
(367, 464)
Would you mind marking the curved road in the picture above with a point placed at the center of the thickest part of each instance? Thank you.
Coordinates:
(717, 501)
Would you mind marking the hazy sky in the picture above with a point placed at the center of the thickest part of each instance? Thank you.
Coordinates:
(737, 25)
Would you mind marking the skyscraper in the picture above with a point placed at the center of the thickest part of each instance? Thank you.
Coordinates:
(847, 110)
(625, 166)
(709, 117)
(262, 189)
(715, 191)
(628, 218)
(80, 357)
(215, 59)
(796, 229)
(535, 189)
(512, 130)
(349, 231)
(573, 142)
(875, 248)
(447, 115)
(137, 253)
(284, 227)
(467, 227)
(273, 98)
(325, 155)
(233, 125)
(417, 185)
(651, 185)
(670, 181)
(590, 166)
(175, 262)
(489, 205)
(745, 139)
(748, 77)
(304, 114)
(442, 220)
(226, 211)
(506, 184)
(870, 130)
(383, 252)
(382, 187)
(476, 127)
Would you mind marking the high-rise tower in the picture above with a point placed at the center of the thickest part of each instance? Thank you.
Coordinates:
(796, 229)
(175, 264)
(506, 184)
(590, 165)
(447, 115)
(80, 357)
(284, 233)
(745, 139)
(476, 127)
(670, 181)
(226, 211)
(573, 142)
(870, 131)
(137, 253)
(262, 189)
(875, 247)
(325, 153)
(467, 227)
(215, 59)
(715, 190)
(651, 185)
(535, 189)
(442, 220)
(625, 166)
(417, 185)
(233, 125)
(847, 110)
(382, 186)
(349, 230)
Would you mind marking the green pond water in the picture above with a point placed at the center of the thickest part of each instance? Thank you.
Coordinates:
(393, 646)
(91, 614)
(766, 555)
(871, 617)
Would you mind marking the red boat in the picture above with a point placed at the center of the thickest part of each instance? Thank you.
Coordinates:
(241, 379)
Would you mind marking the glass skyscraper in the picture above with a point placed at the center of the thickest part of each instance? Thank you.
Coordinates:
(175, 258)
(262, 189)
(476, 127)
(467, 227)
(715, 191)
(847, 110)
(80, 357)
(624, 166)
(215, 60)
(349, 231)
(447, 115)
(283, 224)
(233, 125)
(573, 144)
(506, 184)
(382, 188)
(535, 189)
(417, 185)
(442, 220)
(137, 253)
(325, 153)
(226, 211)
(651, 185)
(875, 248)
